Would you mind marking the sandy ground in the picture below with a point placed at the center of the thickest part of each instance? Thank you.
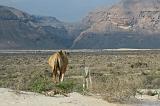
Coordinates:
(9, 97)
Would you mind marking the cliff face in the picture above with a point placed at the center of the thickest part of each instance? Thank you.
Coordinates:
(19, 30)
(128, 24)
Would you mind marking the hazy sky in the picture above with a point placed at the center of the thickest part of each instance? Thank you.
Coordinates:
(66, 10)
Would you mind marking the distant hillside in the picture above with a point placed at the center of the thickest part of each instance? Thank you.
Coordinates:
(19, 30)
(128, 24)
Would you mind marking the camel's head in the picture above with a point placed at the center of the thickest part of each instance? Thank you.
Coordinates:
(64, 52)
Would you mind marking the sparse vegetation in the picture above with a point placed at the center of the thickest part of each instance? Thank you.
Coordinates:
(40, 84)
(117, 88)
(116, 77)
(150, 93)
(139, 65)
(69, 86)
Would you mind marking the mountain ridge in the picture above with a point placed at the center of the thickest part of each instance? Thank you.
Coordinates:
(19, 30)
(136, 21)
(127, 24)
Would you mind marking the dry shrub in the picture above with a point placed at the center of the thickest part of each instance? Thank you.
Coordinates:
(151, 93)
(139, 65)
(156, 83)
(117, 88)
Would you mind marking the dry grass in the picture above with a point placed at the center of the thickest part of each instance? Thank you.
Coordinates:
(115, 76)
(117, 88)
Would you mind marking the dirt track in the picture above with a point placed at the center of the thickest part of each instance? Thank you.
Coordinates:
(9, 97)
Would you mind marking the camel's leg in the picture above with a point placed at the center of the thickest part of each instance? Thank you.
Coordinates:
(54, 75)
(61, 77)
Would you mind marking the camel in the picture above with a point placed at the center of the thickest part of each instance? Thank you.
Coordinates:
(58, 62)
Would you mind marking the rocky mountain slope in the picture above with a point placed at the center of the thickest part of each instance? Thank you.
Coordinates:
(128, 24)
(19, 30)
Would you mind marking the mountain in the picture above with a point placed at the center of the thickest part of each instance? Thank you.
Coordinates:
(19, 30)
(127, 24)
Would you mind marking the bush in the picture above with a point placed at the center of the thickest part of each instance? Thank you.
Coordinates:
(39, 84)
(70, 86)
(151, 93)
(42, 83)
(117, 88)
(139, 65)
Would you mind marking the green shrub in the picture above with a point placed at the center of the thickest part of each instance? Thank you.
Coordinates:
(40, 84)
(70, 86)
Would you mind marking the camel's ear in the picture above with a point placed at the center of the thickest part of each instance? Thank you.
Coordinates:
(60, 51)
(66, 53)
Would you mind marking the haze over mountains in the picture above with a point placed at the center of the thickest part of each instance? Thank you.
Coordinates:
(19, 30)
(128, 24)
